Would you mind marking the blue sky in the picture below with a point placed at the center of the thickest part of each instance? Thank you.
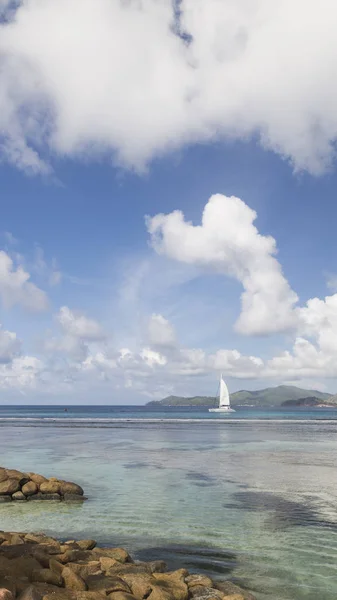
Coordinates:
(126, 305)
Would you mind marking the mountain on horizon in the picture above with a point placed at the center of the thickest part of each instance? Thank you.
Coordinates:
(272, 396)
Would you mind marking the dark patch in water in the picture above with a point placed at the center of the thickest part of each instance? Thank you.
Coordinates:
(200, 479)
(285, 513)
(136, 465)
(194, 558)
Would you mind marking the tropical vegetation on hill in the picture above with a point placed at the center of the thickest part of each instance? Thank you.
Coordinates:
(273, 396)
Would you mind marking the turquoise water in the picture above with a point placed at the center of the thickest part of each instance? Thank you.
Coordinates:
(251, 497)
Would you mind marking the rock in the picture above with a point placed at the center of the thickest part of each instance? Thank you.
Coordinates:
(25, 565)
(14, 474)
(55, 497)
(90, 595)
(121, 596)
(117, 553)
(3, 474)
(200, 591)
(159, 593)
(84, 570)
(56, 566)
(173, 583)
(86, 544)
(228, 588)
(30, 488)
(30, 593)
(16, 540)
(72, 581)
(37, 496)
(18, 496)
(70, 488)
(140, 584)
(107, 584)
(75, 556)
(74, 498)
(193, 580)
(5, 498)
(6, 594)
(9, 486)
(8, 583)
(50, 487)
(106, 563)
(157, 566)
(37, 478)
(47, 576)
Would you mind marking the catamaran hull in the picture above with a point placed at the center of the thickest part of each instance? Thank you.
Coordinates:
(221, 410)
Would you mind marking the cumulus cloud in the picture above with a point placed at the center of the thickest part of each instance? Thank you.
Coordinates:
(15, 287)
(227, 242)
(10, 346)
(133, 80)
(160, 332)
(79, 326)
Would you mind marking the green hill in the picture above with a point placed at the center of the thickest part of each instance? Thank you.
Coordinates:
(273, 396)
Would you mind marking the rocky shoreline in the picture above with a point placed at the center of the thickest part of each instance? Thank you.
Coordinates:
(18, 486)
(38, 567)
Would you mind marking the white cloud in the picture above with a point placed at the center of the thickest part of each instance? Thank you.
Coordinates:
(160, 332)
(227, 242)
(10, 346)
(79, 326)
(122, 82)
(15, 287)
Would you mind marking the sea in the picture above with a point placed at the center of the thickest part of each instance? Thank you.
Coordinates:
(250, 496)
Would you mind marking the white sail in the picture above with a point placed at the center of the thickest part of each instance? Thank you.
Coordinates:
(224, 395)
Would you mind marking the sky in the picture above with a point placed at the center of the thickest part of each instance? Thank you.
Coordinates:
(168, 184)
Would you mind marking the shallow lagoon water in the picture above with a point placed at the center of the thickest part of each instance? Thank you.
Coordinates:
(251, 497)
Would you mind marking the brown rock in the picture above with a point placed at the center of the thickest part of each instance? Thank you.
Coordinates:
(16, 540)
(140, 584)
(71, 488)
(75, 556)
(54, 591)
(198, 591)
(159, 593)
(14, 474)
(30, 488)
(228, 588)
(72, 581)
(47, 576)
(50, 487)
(6, 594)
(86, 544)
(19, 496)
(106, 563)
(121, 569)
(84, 570)
(121, 596)
(56, 566)
(90, 595)
(117, 553)
(107, 584)
(4, 536)
(37, 478)
(25, 565)
(30, 593)
(193, 580)
(157, 566)
(9, 486)
(3, 474)
(66, 547)
(8, 583)
(173, 583)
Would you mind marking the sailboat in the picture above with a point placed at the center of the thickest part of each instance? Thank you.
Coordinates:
(224, 403)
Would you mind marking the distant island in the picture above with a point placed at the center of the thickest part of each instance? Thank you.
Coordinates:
(282, 395)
